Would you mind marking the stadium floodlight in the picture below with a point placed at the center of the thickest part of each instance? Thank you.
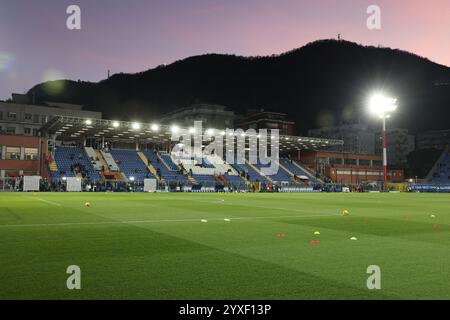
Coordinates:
(131, 178)
(210, 132)
(64, 178)
(382, 106)
(115, 124)
(135, 125)
(222, 133)
(174, 129)
(191, 130)
(88, 122)
(154, 127)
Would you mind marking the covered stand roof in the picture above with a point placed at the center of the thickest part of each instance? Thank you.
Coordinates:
(73, 128)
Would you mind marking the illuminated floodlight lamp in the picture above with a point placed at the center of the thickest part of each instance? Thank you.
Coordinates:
(154, 127)
(222, 133)
(131, 178)
(174, 129)
(210, 132)
(381, 105)
(64, 178)
(115, 124)
(135, 125)
(191, 130)
(88, 122)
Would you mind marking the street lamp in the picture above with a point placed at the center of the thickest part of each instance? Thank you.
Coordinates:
(382, 106)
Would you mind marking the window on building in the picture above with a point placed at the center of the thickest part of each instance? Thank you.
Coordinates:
(364, 162)
(350, 162)
(35, 118)
(35, 132)
(335, 160)
(43, 119)
(12, 153)
(31, 153)
(12, 115)
(377, 163)
(28, 116)
(27, 131)
(10, 130)
(1, 115)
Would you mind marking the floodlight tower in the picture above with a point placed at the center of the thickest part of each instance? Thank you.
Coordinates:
(383, 106)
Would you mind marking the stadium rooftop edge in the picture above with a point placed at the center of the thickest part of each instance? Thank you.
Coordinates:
(75, 128)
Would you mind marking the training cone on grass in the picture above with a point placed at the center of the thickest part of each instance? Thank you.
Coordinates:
(314, 241)
(87, 204)
(227, 220)
(204, 220)
(317, 232)
(353, 238)
(280, 235)
(432, 216)
(345, 213)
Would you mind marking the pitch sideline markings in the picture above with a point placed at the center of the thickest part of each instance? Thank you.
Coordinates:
(46, 201)
(156, 221)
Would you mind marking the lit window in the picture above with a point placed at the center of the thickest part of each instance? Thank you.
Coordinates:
(31, 153)
(12, 153)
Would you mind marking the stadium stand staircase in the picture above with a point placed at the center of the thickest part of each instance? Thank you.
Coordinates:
(236, 174)
(150, 167)
(131, 164)
(163, 161)
(258, 171)
(52, 165)
(95, 160)
(192, 180)
(102, 160)
(111, 163)
(168, 175)
(305, 170)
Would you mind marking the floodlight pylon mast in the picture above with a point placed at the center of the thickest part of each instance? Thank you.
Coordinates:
(385, 166)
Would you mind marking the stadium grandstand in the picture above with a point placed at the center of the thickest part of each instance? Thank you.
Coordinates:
(110, 155)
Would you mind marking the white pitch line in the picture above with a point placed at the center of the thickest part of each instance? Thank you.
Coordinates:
(62, 224)
(46, 201)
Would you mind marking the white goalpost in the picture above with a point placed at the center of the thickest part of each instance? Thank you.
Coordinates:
(73, 184)
(149, 185)
(31, 183)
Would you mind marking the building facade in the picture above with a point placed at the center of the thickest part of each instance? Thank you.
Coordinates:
(399, 144)
(436, 139)
(23, 155)
(17, 118)
(348, 168)
(358, 138)
(212, 116)
(261, 119)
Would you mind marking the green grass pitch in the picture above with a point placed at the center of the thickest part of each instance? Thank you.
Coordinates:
(155, 246)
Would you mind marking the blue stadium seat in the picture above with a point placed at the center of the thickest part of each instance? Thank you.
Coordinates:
(65, 157)
(440, 173)
(131, 164)
(170, 176)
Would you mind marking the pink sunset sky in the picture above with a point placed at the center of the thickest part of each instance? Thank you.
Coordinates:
(135, 35)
